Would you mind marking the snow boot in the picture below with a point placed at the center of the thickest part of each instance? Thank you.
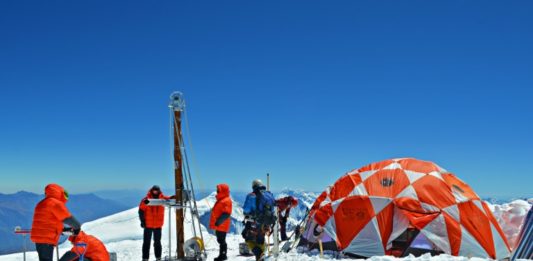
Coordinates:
(222, 253)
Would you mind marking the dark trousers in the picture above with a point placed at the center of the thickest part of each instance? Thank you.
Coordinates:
(283, 227)
(45, 252)
(221, 240)
(71, 256)
(147, 238)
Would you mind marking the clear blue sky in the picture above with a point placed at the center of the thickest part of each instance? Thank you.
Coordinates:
(305, 90)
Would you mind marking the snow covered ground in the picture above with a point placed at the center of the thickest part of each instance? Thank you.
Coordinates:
(122, 234)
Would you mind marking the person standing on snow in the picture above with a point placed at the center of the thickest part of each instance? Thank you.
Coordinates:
(220, 219)
(94, 250)
(152, 220)
(284, 209)
(48, 218)
(259, 218)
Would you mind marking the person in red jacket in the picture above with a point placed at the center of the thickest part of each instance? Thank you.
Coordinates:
(93, 249)
(152, 220)
(220, 219)
(48, 218)
(284, 209)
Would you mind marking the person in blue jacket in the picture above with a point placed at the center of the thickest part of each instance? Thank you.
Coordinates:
(253, 231)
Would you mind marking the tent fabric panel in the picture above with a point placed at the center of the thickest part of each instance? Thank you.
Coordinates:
(470, 247)
(386, 183)
(413, 176)
(318, 201)
(437, 233)
(323, 214)
(359, 190)
(453, 230)
(408, 192)
(418, 165)
(385, 223)
(434, 191)
(496, 225)
(477, 224)
(400, 223)
(367, 243)
(344, 186)
(459, 186)
(500, 246)
(376, 165)
(352, 215)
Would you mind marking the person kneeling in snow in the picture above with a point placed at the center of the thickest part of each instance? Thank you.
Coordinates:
(87, 246)
(220, 219)
(152, 220)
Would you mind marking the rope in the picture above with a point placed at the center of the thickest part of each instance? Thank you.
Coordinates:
(187, 172)
(193, 158)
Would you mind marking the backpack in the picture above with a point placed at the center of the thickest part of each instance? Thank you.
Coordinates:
(265, 204)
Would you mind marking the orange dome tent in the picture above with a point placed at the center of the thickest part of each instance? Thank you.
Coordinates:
(390, 206)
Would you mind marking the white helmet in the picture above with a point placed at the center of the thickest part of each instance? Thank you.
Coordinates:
(257, 183)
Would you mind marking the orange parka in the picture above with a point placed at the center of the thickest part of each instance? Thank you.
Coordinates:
(154, 216)
(49, 215)
(222, 206)
(95, 249)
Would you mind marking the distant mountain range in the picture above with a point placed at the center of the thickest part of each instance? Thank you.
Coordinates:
(17, 210)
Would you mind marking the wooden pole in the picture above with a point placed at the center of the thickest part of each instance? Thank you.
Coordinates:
(177, 104)
(321, 247)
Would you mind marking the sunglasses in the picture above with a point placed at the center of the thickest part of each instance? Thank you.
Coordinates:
(65, 194)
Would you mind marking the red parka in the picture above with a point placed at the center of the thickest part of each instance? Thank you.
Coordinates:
(286, 202)
(154, 216)
(49, 215)
(223, 205)
(95, 249)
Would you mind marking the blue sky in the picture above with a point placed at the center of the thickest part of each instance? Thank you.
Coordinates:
(305, 90)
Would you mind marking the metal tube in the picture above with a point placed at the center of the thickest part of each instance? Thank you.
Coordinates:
(169, 233)
(24, 243)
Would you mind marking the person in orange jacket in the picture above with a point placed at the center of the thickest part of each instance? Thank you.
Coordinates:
(220, 219)
(152, 220)
(48, 218)
(93, 250)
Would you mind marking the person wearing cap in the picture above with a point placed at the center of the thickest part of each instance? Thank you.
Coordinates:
(253, 233)
(48, 218)
(87, 246)
(152, 219)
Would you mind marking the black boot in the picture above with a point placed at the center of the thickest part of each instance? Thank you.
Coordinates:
(222, 253)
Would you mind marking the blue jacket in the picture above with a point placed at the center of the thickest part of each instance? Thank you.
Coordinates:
(249, 207)
(249, 204)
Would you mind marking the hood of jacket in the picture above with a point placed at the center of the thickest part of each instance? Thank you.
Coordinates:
(79, 238)
(56, 192)
(222, 191)
(149, 194)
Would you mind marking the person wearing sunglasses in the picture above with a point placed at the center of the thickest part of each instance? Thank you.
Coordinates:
(152, 219)
(49, 216)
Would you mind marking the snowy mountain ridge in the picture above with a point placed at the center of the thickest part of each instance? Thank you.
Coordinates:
(122, 234)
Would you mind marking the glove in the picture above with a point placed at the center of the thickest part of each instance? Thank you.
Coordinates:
(146, 201)
(143, 225)
(75, 232)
